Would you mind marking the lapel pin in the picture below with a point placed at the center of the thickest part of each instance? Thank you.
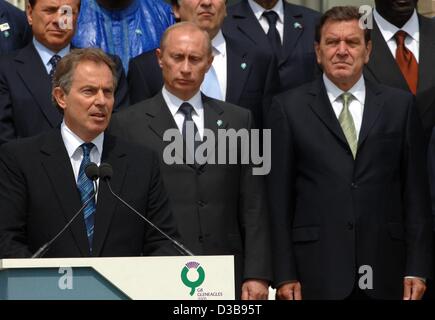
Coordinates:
(4, 27)
(297, 25)
(138, 31)
(6, 33)
(219, 123)
(243, 65)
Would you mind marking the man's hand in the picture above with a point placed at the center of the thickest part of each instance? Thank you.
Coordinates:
(255, 290)
(289, 291)
(413, 288)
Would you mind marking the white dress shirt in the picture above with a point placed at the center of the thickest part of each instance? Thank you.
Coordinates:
(356, 106)
(220, 62)
(75, 153)
(411, 27)
(174, 104)
(46, 54)
(278, 8)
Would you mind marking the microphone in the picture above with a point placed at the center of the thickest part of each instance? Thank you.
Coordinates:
(106, 172)
(92, 172)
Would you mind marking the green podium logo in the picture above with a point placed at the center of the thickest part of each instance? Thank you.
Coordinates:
(192, 284)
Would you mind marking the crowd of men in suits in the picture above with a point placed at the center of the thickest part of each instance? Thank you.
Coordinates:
(350, 111)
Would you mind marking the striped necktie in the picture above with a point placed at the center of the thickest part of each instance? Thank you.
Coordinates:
(347, 124)
(86, 189)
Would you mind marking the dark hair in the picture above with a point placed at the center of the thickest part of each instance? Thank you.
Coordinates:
(341, 13)
(63, 76)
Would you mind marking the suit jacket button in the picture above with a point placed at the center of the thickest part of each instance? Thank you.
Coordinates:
(350, 225)
(201, 203)
(354, 185)
(200, 238)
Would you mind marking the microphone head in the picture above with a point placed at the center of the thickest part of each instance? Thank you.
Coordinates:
(106, 171)
(92, 171)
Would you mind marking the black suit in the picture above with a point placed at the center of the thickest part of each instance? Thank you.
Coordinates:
(298, 62)
(19, 33)
(332, 214)
(219, 209)
(38, 198)
(251, 86)
(26, 108)
(383, 68)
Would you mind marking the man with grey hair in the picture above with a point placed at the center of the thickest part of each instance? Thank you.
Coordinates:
(348, 187)
(39, 197)
(219, 208)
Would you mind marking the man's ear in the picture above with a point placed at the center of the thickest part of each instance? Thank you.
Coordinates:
(29, 11)
(176, 11)
(317, 49)
(159, 54)
(60, 97)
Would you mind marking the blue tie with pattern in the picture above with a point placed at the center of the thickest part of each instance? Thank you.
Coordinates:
(53, 61)
(86, 189)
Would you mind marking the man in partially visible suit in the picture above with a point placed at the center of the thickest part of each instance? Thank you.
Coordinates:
(25, 76)
(348, 186)
(15, 32)
(39, 197)
(402, 56)
(280, 27)
(241, 73)
(219, 208)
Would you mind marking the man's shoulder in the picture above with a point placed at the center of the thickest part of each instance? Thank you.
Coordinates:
(230, 110)
(135, 152)
(27, 148)
(147, 58)
(301, 11)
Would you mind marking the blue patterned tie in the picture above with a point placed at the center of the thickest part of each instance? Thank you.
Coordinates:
(53, 61)
(86, 189)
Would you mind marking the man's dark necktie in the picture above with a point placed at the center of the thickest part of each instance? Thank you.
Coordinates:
(407, 62)
(186, 108)
(53, 61)
(86, 189)
(273, 34)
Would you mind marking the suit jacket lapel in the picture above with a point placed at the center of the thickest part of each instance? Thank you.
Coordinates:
(248, 24)
(107, 203)
(34, 76)
(161, 120)
(426, 78)
(57, 165)
(213, 120)
(382, 64)
(372, 108)
(238, 69)
(292, 31)
(323, 109)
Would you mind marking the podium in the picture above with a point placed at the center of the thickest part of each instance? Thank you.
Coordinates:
(139, 278)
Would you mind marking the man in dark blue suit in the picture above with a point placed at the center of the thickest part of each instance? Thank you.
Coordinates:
(283, 28)
(14, 29)
(25, 76)
(241, 73)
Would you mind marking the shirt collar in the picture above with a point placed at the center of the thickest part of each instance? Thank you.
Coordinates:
(258, 10)
(388, 30)
(218, 44)
(174, 102)
(46, 54)
(73, 142)
(334, 92)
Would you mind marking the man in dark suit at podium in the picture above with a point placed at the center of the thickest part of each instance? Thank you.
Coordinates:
(43, 181)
